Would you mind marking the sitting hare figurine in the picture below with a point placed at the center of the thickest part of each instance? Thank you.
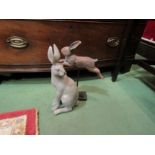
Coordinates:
(79, 61)
(67, 91)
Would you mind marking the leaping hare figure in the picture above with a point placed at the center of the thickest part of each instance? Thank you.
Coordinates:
(67, 91)
(79, 61)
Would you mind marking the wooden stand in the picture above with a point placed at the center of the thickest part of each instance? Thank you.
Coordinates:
(82, 94)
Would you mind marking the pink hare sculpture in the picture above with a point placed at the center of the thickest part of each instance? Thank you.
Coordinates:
(79, 61)
(66, 89)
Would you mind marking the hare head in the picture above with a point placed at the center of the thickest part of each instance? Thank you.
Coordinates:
(57, 68)
(66, 51)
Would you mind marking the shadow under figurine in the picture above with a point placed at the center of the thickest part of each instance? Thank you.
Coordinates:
(79, 61)
(66, 89)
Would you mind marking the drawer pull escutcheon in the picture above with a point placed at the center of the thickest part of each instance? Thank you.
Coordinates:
(113, 41)
(17, 42)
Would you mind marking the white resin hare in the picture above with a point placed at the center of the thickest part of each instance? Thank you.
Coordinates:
(66, 89)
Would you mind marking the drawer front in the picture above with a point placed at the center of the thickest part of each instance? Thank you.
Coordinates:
(41, 33)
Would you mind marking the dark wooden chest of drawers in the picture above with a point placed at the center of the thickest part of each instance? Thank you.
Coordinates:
(24, 43)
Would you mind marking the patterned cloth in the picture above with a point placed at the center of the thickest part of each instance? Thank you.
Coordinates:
(31, 120)
(13, 126)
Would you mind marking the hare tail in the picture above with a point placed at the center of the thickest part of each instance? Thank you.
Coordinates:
(95, 60)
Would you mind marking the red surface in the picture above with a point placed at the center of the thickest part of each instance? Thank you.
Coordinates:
(31, 126)
(149, 31)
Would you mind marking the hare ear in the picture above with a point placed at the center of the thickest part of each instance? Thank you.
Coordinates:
(56, 53)
(75, 44)
(50, 54)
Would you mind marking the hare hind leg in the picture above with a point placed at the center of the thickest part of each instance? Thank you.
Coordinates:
(62, 110)
(96, 70)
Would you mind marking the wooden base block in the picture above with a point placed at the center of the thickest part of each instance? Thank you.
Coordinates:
(82, 96)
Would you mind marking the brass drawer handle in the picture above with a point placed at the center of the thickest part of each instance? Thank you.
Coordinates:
(113, 41)
(17, 42)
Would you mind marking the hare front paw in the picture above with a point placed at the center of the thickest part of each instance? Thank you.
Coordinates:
(61, 60)
(62, 110)
(55, 106)
(57, 111)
